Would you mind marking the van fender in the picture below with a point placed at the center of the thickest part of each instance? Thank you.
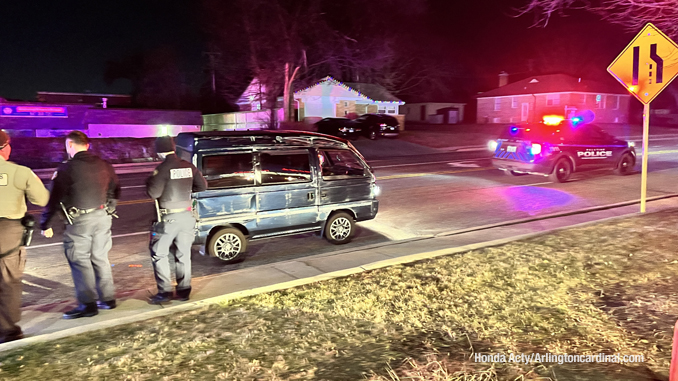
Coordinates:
(216, 228)
(329, 215)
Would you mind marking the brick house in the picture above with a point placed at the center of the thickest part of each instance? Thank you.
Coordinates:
(530, 99)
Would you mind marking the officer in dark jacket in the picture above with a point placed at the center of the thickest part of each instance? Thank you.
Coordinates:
(85, 189)
(171, 185)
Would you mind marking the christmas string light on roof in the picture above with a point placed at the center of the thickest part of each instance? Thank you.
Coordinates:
(345, 87)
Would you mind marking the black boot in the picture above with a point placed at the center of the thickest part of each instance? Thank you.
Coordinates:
(182, 295)
(161, 298)
(82, 310)
(106, 305)
(11, 336)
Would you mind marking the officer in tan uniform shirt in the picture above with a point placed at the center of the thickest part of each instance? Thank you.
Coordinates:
(17, 183)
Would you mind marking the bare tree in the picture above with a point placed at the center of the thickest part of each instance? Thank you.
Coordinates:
(631, 14)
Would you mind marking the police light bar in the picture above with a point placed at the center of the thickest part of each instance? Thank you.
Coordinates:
(553, 120)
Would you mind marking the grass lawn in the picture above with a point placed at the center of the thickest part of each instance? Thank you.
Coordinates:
(462, 135)
(605, 288)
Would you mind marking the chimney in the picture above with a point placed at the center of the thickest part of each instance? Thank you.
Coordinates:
(503, 78)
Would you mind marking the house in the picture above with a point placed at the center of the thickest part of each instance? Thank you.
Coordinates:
(436, 113)
(332, 98)
(528, 100)
(326, 98)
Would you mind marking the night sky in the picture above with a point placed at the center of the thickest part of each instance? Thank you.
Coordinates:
(63, 46)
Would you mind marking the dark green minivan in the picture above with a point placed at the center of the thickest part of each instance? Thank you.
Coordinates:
(264, 184)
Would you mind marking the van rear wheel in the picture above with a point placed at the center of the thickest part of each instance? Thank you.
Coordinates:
(339, 228)
(227, 244)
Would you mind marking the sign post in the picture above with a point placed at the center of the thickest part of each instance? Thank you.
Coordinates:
(645, 67)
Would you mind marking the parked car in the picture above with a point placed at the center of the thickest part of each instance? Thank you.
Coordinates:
(376, 125)
(264, 184)
(557, 147)
(341, 127)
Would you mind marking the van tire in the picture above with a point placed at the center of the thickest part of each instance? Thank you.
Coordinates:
(625, 165)
(227, 244)
(339, 228)
(561, 171)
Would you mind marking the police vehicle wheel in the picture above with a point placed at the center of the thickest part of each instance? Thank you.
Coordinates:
(625, 165)
(339, 228)
(561, 171)
(227, 244)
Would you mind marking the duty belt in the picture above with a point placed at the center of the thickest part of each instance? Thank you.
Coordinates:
(170, 211)
(77, 211)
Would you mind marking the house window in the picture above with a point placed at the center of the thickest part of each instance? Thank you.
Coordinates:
(496, 120)
(600, 101)
(345, 112)
(514, 102)
(497, 104)
(381, 109)
(552, 99)
(391, 110)
(345, 104)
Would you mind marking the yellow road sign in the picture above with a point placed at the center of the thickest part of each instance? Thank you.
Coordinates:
(647, 65)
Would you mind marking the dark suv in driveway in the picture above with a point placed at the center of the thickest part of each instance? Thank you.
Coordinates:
(376, 125)
(341, 127)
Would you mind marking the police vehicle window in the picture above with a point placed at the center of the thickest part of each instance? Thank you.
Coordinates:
(340, 164)
(285, 167)
(230, 170)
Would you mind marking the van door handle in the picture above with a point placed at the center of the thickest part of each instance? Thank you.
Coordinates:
(323, 195)
(311, 196)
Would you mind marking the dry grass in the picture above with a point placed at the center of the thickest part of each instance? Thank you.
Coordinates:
(605, 288)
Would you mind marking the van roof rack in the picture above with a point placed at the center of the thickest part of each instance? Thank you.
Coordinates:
(187, 140)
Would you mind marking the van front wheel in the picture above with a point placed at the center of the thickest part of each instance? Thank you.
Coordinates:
(339, 228)
(227, 244)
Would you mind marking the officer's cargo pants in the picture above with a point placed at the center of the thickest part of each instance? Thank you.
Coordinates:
(11, 271)
(178, 229)
(86, 245)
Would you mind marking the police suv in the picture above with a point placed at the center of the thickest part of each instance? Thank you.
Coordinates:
(557, 147)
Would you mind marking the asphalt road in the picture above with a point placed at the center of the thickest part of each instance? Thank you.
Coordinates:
(427, 192)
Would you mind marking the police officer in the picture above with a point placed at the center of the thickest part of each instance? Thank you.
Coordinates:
(17, 183)
(171, 185)
(85, 189)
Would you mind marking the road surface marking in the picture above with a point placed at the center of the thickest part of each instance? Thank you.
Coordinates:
(430, 162)
(407, 175)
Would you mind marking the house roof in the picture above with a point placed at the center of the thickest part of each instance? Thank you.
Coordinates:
(370, 91)
(554, 83)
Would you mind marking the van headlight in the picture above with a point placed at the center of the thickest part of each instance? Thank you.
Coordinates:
(492, 145)
(376, 190)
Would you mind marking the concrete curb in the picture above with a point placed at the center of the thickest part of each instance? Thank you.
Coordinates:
(326, 276)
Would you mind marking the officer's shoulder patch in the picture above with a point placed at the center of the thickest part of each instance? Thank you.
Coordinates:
(181, 173)
(4, 179)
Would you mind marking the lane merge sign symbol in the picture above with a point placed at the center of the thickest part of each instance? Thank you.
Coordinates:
(647, 65)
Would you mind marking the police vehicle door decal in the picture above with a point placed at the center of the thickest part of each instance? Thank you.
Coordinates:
(594, 153)
(3, 180)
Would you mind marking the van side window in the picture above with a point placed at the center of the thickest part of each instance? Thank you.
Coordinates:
(340, 164)
(229, 170)
(285, 167)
